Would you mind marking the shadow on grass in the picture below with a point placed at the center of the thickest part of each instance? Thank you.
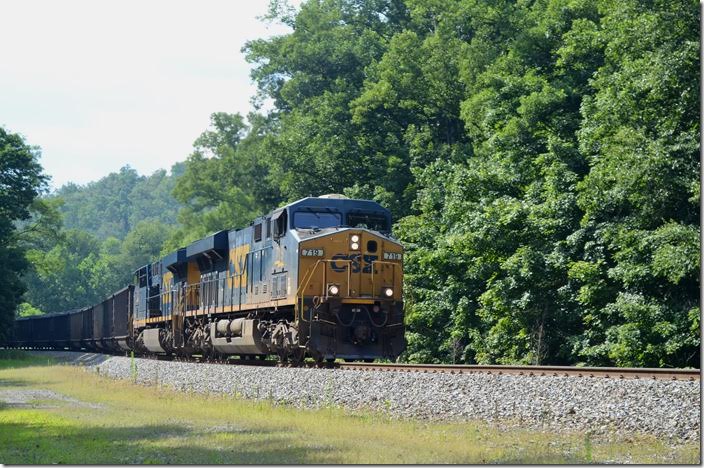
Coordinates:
(31, 443)
(15, 359)
(13, 383)
(545, 458)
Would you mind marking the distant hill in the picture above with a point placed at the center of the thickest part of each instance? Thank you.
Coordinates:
(113, 205)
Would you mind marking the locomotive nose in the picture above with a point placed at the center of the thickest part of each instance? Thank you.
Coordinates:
(353, 266)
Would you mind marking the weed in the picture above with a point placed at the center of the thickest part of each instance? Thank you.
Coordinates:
(328, 394)
(387, 404)
(270, 397)
(587, 448)
(133, 367)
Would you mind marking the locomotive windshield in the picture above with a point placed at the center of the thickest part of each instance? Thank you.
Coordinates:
(316, 219)
(375, 222)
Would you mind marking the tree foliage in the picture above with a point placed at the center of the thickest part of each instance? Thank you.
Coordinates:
(21, 182)
(84, 242)
(571, 232)
(541, 157)
(115, 204)
(222, 184)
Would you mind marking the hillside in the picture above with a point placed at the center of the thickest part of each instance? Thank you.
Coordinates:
(115, 204)
(103, 231)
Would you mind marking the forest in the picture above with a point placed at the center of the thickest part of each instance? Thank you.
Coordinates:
(541, 160)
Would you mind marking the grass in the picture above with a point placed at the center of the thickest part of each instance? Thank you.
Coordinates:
(116, 422)
(12, 358)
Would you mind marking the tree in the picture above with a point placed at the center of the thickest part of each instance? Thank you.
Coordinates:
(314, 75)
(570, 231)
(224, 184)
(78, 253)
(638, 268)
(113, 205)
(541, 160)
(21, 181)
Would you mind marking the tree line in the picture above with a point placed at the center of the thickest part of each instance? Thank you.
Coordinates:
(541, 160)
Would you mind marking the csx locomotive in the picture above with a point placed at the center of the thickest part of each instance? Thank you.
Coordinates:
(320, 277)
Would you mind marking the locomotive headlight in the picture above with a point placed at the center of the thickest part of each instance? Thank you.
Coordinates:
(354, 245)
(388, 292)
(333, 290)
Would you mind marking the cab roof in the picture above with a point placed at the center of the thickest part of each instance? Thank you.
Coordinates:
(343, 205)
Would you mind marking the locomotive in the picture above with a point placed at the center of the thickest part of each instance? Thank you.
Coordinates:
(320, 277)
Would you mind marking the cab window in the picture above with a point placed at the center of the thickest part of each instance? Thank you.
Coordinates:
(279, 220)
(316, 219)
(371, 221)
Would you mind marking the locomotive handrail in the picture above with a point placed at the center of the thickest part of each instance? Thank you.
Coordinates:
(393, 271)
(306, 280)
(187, 297)
(304, 283)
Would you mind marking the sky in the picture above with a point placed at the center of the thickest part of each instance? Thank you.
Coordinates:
(98, 85)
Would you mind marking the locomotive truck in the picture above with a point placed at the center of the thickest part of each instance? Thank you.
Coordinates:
(320, 277)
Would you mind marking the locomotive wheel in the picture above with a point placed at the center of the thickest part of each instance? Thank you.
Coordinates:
(317, 357)
(297, 356)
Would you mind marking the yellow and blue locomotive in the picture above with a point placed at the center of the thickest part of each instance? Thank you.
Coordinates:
(320, 277)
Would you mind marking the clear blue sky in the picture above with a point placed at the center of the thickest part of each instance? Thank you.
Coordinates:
(101, 84)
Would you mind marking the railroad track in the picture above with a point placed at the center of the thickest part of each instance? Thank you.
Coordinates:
(560, 371)
(534, 371)
(530, 371)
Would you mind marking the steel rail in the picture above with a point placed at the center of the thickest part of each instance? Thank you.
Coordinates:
(557, 371)
(530, 371)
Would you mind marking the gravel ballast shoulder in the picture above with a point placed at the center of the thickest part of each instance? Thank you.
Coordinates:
(666, 409)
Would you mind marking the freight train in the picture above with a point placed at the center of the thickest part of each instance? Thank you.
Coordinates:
(319, 278)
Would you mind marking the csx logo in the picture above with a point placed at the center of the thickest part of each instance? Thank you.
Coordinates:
(357, 262)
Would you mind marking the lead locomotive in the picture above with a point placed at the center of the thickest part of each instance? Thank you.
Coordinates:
(319, 277)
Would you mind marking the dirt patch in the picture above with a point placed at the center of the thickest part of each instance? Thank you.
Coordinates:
(20, 398)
